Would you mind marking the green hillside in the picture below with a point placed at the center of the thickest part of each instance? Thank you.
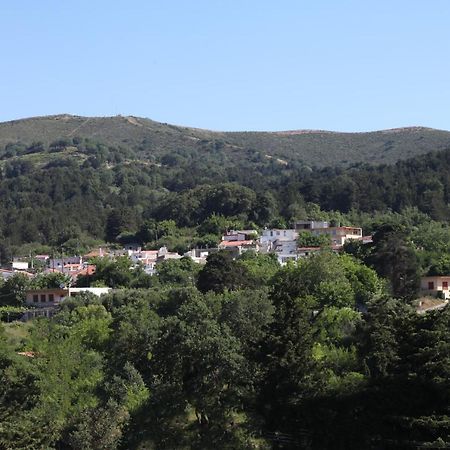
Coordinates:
(65, 178)
(154, 140)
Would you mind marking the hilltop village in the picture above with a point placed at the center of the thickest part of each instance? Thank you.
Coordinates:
(306, 238)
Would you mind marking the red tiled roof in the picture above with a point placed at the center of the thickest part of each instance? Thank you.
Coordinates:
(95, 253)
(89, 270)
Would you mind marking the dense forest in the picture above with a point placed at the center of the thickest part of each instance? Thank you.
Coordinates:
(238, 354)
(77, 189)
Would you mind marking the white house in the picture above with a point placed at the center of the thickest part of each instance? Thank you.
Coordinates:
(281, 242)
(435, 286)
(51, 297)
(199, 255)
(20, 265)
(59, 263)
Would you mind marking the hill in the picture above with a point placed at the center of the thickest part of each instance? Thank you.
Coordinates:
(69, 179)
(153, 140)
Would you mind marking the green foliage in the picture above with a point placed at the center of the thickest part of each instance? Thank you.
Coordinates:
(394, 259)
(257, 350)
(178, 272)
(441, 266)
(221, 273)
(218, 225)
(287, 358)
(174, 368)
(99, 428)
(51, 280)
(307, 239)
(110, 272)
(12, 292)
(9, 313)
(330, 279)
(125, 194)
(260, 267)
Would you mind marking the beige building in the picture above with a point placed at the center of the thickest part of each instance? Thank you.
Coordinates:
(339, 235)
(435, 285)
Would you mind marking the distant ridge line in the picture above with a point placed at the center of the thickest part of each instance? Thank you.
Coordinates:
(67, 116)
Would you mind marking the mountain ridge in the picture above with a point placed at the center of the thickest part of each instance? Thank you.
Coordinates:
(67, 116)
(318, 148)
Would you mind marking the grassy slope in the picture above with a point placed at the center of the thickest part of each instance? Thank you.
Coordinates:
(313, 148)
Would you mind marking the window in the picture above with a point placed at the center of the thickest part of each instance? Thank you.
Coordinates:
(42, 298)
(51, 298)
(445, 285)
(430, 285)
(35, 298)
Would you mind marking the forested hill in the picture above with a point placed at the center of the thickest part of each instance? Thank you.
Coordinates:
(153, 140)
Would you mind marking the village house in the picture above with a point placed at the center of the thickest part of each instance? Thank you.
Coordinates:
(199, 255)
(270, 236)
(19, 264)
(6, 273)
(304, 252)
(164, 255)
(302, 225)
(339, 235)
(146, 258)
(43, 298)
(60, 263)
(282, 242)
(41, 258)
(437, 286)
(144, 255)
(97, 253)
(239, 247)
(240, 235)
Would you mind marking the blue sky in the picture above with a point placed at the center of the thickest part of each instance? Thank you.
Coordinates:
(346, 65)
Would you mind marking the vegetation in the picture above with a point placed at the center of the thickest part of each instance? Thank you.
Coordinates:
(189, 196)
(158, 141)
(281, 361)
(327, 353)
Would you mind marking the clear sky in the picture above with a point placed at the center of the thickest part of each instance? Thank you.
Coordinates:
(346, 65)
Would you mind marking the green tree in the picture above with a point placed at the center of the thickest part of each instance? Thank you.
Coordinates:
(307, 239)
(394, 259)
(178, 271)
(260, 268)
(199, 364)
(222, 272)
(14, 289)
(288, 360)
(112, 273)
(321, 276)
(51, 280)
(99, 428)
